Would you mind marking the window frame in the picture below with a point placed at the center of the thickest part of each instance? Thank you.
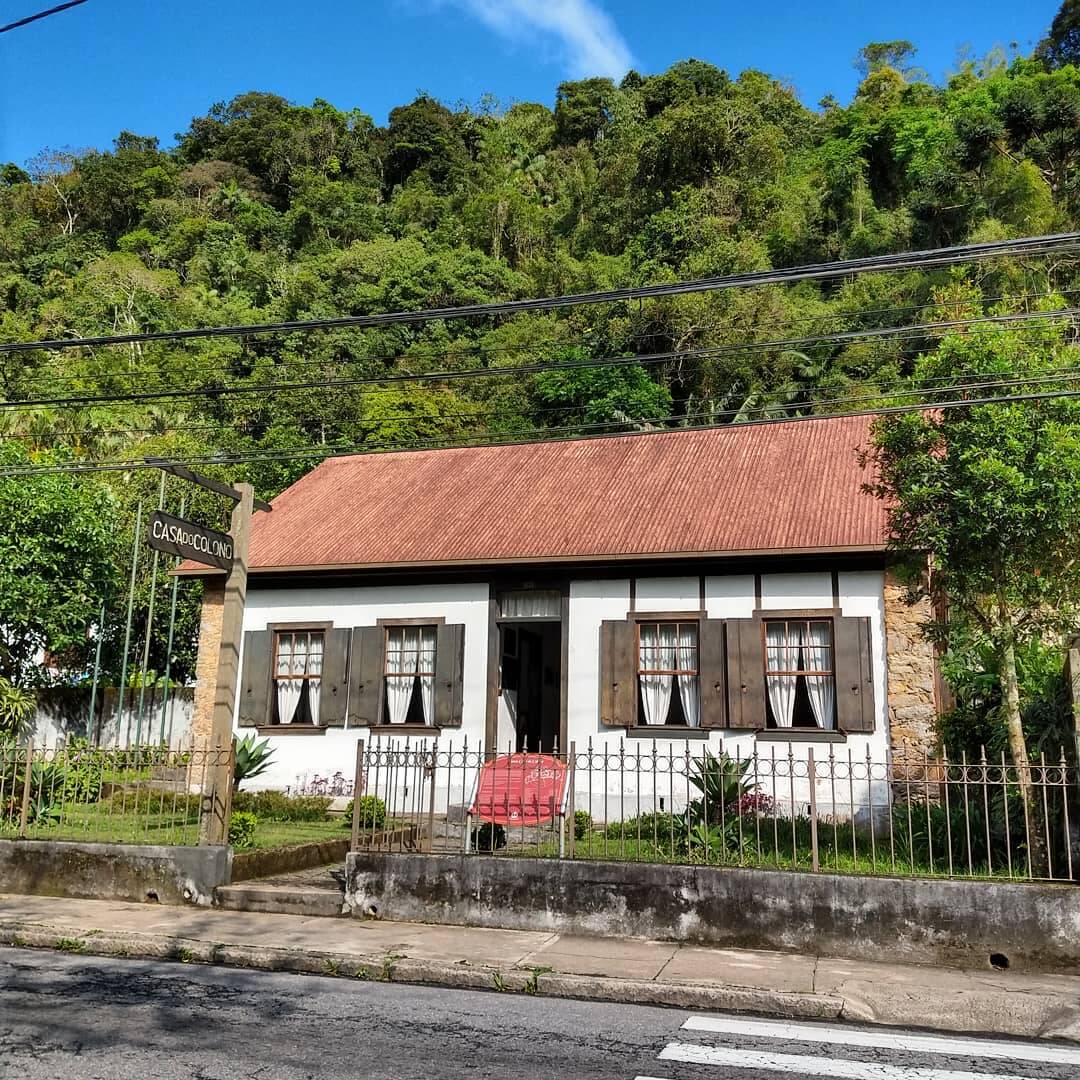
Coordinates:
(677, 619)
(276, 629)
(807, 616)
(385, 626)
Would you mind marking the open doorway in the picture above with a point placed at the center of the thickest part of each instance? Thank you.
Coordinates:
(531, 678)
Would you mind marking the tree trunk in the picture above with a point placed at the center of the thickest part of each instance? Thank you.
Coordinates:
(1010, 696)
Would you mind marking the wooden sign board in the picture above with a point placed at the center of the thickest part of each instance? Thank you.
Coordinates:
(175, 536)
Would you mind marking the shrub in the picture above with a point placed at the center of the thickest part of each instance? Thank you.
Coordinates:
(647, 826)
(277, 806)
(582, 824)
(488, 837)
(372, 813)
(242, 829)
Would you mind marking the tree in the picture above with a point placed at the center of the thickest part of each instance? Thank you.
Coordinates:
(883, 54)
(582, 110)
(1061, 45)
(58, 559)
(984, 507)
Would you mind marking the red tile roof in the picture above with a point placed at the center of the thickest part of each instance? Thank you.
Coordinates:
(739, 489)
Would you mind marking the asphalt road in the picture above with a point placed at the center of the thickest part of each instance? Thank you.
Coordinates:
(92, 1019)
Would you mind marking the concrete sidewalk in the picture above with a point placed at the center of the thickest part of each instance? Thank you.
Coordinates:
(645, 972)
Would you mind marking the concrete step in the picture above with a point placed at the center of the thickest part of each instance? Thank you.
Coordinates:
(280, 899)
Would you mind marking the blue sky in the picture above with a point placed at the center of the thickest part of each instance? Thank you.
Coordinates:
(77, 79)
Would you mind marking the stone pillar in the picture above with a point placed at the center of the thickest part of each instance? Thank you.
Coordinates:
(209, 655)
(911, 675)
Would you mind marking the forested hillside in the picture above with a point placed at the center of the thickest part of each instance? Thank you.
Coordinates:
(268, 211)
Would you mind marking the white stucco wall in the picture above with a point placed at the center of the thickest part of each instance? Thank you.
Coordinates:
(297, 758)
(626, 788)
(628, 783)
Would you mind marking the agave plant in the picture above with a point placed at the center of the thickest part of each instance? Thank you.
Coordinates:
(252, 758)
(723, 784)
(16, 708)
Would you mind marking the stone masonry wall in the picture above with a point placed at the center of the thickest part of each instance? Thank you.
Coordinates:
(912, 674)
(206, 663)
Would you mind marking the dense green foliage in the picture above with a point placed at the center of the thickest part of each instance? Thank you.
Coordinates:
(267, 211)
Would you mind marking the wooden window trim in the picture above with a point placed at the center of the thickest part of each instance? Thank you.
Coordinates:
(640, 619)
(434, 620)
(408, 729)
(808, 615)
(290, 729)
(666, 616)
(276, 629)
(277, 633)
(797, 613)
(801, 734)
(696, 671)
(668, 731)
(771, 672)
(386, 625)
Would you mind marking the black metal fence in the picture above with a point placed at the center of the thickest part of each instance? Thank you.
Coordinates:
(816, 808)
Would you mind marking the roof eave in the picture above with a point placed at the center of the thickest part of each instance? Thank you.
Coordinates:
(665, 556)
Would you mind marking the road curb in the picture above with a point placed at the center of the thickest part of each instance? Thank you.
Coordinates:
(402, 969)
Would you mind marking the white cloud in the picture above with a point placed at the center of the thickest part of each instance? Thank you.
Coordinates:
(587, 36)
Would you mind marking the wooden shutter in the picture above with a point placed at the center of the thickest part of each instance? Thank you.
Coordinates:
(745, 674)
(711, 667)
(854, 674)
(365, 676)
(255, 679)
(334, 689)
(449, 674)
(618, 674)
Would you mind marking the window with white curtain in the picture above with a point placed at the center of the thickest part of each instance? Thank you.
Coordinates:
(298, 663)
(410, 675)
(668, 674)
(531, 604)
(799, 673)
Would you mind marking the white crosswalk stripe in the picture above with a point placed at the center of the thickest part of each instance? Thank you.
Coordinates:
(729, 1031)
(888, 1040)
(839, 1068)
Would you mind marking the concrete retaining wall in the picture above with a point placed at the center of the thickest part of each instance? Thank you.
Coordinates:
(134, 872)
(1034, 927)
(266, 862)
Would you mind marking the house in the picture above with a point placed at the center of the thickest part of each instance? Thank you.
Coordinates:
(728, 586)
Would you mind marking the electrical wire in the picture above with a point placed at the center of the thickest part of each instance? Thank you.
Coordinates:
(924, 329)
(867, 393)
(194, 365)
(922, 260)
(40, 15)
(325, 453)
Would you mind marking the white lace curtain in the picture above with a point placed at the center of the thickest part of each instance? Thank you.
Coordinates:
(783, 642)
(298, 655)
(665, 648)
(410, 657)
(821, 689)
(797, 648)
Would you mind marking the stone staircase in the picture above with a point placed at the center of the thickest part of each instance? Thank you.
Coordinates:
(317, 891)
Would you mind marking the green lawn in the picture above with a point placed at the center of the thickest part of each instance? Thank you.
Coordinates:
(109, 822)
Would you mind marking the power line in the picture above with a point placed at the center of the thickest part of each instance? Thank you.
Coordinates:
(922, 260)
(194, 365)
(40, 15)
(867, 393)
(540, 367)
(256, 457)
